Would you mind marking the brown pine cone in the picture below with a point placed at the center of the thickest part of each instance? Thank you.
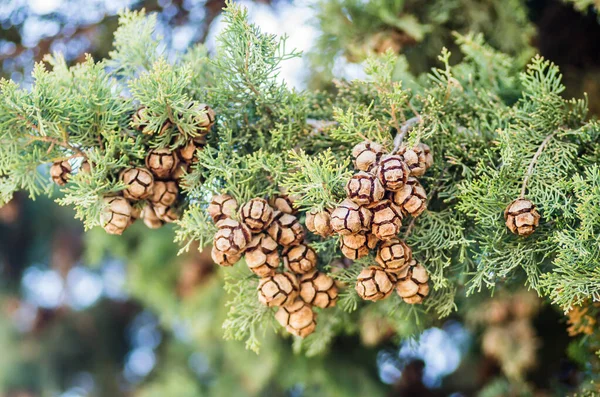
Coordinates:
(232, 236)
(417, 158)
(364, 188)
(222, 206)
(318, 289)
(165, 213)
(257, 214)
(411, 198)
(116, 214)
(285, 229)
(187, 152)
(162, 162)
(522, 217)
(85, 167)
(181, 170)
(281, 289)
(206, 120)
(374, 284)
(298, 318)
(392, 172)
(139, 181)
(350, 218)
(319, 222)
(366, 155)
(412, 284)
(387, 220)
(164, 193)
(393, 255)
(150, 219)
(356, 246)
(140, 122)
(299, 259)
(60, 172)
(262, 256)
(223, 259)
(283, 203)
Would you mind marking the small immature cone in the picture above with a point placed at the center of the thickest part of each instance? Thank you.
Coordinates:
(162, 162)
(298, 318)
(366, 155)
(283, 203)
(350, 218)
(412, 284)
(418, 158)
(319, 222)
(392, 172)
(257, 214)
(356, 246)
(318, 289)
(222, 206)
(232, 236)
(116, 214)
(164, 193)
(60, 172)
(223, 259)
(262, 256)
(387, 220)
(374, 284)
(150, 219)
(285, 229)
(393, 255)
(281, 289)
(139, 181)
(364, 188)
(411, 198)
(522, 217)
(299, 259)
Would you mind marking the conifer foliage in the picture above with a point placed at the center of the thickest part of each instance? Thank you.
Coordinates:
(478, 175)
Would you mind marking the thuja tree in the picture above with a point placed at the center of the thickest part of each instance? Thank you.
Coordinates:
(410, 193)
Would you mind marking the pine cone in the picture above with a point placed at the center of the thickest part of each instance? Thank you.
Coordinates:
(412, 283)
(318, 289)
(392, 172)
(164, 193)
(285, 229)
(319, 222)
(521, 217)
(374, 284)
(366, 155)
(356, 246)
(298, 318)
(187, 152)
(411, 198)
(283, 203)
(364, 188)
(60, 172)
(257, 214)
(139, 181)
(162, 162)
(232, 236)
(150, 219)
(205, 121)
(140, 122)
(350, 218)
(387, 220)
(222, 206)
(224, 259)
(418, 158)
(116, 214)
(262, 256)
(393, 255)
(300, 258)
(165, 213)
(85, 167)
(281, 289)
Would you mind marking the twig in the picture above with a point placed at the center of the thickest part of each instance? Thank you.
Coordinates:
(533, 163)
(406, 126)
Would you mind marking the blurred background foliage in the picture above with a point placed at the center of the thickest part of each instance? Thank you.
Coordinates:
(99, 315)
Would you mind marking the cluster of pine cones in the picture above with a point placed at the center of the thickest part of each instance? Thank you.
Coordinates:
(383, 191)
(268, 234)
(152, 192)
